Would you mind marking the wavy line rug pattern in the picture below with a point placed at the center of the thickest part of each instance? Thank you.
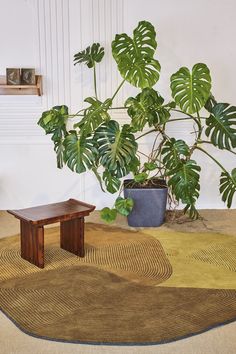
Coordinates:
(120, 293)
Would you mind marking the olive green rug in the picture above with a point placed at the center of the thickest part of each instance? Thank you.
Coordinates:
(132, 287)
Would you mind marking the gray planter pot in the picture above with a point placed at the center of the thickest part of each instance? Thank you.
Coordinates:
(149, 205)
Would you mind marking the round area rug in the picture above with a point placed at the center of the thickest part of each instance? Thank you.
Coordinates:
(116, 294)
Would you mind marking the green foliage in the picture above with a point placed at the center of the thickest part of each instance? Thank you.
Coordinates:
(134, 57)
(141, 177)
(54, 122)
(173, 151)
(228, 186)
(108, 215)
(94, 115)
(124, 205)
(146, 107)
(210, 103)
(184, 182)
(112, 183)
(116, 146)
(134, 165)
(79, 153)
(150, 166)
(191, 90)
(221, 126)
(110, 150)
(91, 55)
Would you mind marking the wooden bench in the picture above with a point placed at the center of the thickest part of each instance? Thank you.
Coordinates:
(69, 213)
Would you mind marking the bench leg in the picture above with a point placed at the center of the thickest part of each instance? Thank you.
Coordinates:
(72, 236)
(32, 243)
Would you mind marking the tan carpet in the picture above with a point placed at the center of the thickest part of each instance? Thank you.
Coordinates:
(206, 343)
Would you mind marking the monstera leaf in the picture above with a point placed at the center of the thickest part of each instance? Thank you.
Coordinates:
(55, 119)
(191, 90)
(134, 165)
(90, 55)
(210, 103)
(135, 56)
(146, 107)
(112, 183)
(228, 186)
(79, 153)
(108, 215)
(172, 152)
(54, 122)
(124, 205)
(116, 147)
(150, 166)
(184, 182)
(221, 126)
(141, 177)
(94, 115)
(59, 150)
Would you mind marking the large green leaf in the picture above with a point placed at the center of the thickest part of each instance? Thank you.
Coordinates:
(141, 177)
(94, 115)
(135, 56)
(59, 150)
(91, 55)
(228, 186)
(173, 151)
(184, 182)
(221, 126)
(150, 166)
(191, 90)
(54, 122)
(116, 147)
(124, 206)
(112, 183)
(146, 107)
(134, 165)
(79, 153)
(108, 215)
(210, 103)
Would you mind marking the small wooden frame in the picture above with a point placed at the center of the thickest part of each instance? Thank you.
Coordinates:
(13, 76)
(69, 213)
(28, 77)
(21, 89)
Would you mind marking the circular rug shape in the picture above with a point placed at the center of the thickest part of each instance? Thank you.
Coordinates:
(115, 295)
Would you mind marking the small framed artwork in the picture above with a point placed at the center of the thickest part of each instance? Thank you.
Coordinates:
(28, 77)
(13, 76)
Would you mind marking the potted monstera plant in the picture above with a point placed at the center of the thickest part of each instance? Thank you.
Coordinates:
(111, 151)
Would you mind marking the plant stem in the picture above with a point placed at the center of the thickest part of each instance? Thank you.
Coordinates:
(118, 89)
(154, 144)
(150, 131)
(217, 162)
(118, 108)
(204, 142)
(76, 114)
(95, 81)
(179, 111)
(152, 159)
(175, 119)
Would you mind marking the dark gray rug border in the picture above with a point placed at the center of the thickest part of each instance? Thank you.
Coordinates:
(128, 344)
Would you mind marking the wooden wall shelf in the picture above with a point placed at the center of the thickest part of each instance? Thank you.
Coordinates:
(21, 89)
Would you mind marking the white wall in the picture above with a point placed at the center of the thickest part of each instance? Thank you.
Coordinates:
(45, 34)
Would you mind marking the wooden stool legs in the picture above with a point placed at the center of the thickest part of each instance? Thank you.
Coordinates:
(32, 240)
(32, 243)
(72, 236)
